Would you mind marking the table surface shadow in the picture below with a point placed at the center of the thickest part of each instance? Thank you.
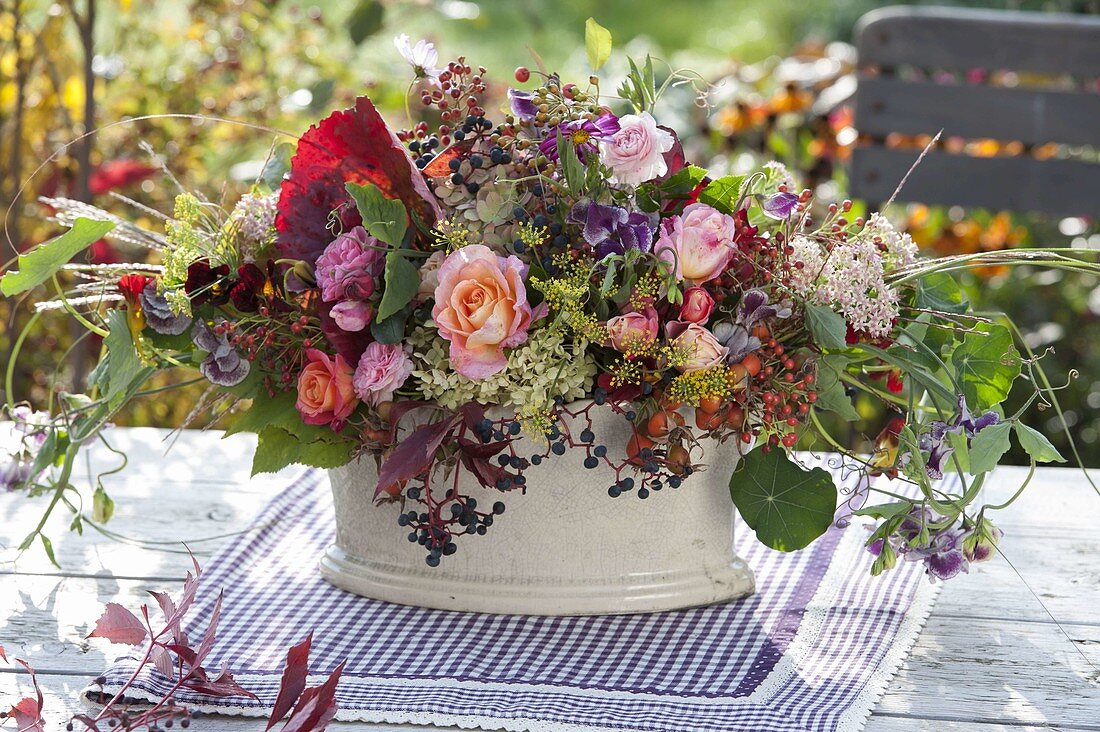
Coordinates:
(1013, 645)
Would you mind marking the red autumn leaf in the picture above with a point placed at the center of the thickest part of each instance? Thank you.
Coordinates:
(119, 174)
(28, 712)
(481, 450)
(487, 473)
(3, 655)
(207, 643)
(414, 454)
(441, 163)
(293, 681)
(316, 707)
(162, 661)
(223, 685)
(119, 625)
(349, 146)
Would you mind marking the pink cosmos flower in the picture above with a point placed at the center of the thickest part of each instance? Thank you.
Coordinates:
(698, 242)
(481, 308)
(382, 370)
(635, 153)
(325, 391)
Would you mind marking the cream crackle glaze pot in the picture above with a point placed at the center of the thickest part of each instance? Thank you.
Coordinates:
(563, 547)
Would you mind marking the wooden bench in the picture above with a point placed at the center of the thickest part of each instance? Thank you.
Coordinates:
(923, 69)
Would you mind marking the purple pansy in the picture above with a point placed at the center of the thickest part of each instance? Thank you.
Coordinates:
(934, 442)
(159, 315)
(737, 336)
(583, 133)
(223, 365)
(522, 104)
(941, 552)
(779, 206)
(17, 460)
(612, 229)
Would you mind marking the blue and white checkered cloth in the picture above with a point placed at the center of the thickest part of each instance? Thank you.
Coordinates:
(813, 650)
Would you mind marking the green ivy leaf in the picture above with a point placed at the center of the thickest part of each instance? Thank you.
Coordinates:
(831, 395)
(123, 363)
(275, 411)
(939, 291)
(1036, 444)
(365, 20)
(827, 326)
(597, 43)
(386, 219)
(723, 193)
(402, 280)
(40, 263)
(788, 507)
(987, 447)
(987, 364)
(277, 448)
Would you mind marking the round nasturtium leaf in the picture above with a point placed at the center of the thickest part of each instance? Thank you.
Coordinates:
(786, 505)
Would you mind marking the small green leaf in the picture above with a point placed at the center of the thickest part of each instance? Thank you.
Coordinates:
(103, 506)
(402, 280)
(597, 43)
(959, 441)
(40, 263)
(827, 326)
(275, 411)
(277, 166)
(831, 395)
(1036, 444)
(684, 181)
(787, 506)
(123, 363)
(723, 193)
(940, 292)
(48, 546)
(365, 20)
(386, 219)
(884, 510)
(392, 329)
(277, 448)
(986, 364)
(987, 447)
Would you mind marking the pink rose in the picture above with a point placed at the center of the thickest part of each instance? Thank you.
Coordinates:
(630, 330)
(352, 315)
(481, 308)
(703, 349)
(635, 153)
(349, 266)
(698, 305)
(382, 370)
(325, 391)
(699, 242)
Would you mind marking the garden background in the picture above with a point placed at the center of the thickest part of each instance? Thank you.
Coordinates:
(780, 75)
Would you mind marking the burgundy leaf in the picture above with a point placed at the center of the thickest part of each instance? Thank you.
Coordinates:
(398, 411)
(168, 607)
(481, 450)
(162, 660)
(675, 159)
(3, 655)
(119, 625)
(183, 651)
(349, 146)
(317, 706)
(414, 454)
(207, 643)
(293, 681)
(487, 473)
(28, 712)
(223, 685)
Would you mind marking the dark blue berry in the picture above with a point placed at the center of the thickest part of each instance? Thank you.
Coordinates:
(457, 178)
(454, 165)
(558, 448)
(627, 483)
(599, 450)
(473, 188)
(591, 462)
(536, 459)
(476, 161)
(587, 436)
(643, 493)
(537, 190)
(432, 560)
(614, 491)
(514, 428)
(498, 507)
(504, 460)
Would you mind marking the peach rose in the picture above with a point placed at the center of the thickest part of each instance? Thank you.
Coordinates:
(698, 305)
(699, 243)
(481, 308)
(629, 330)
(325, 391)
(703, 349)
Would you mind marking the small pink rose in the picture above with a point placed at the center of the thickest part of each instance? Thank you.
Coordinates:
(631, 330)
(702, 348)
(635, 153)
(481, 308)
(698, 243)
(698, 305)
(382, 370)
(325, 391)
(349, 266)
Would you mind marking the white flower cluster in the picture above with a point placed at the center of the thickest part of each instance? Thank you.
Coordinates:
(850, 278)
(898, 248)
(253, 219)
(544, 367)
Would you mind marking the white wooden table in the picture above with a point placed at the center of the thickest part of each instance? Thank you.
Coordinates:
(990, 659)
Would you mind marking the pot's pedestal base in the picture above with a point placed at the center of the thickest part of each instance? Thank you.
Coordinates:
(633, 593)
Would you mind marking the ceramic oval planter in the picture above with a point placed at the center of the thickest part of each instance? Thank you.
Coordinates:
(565, 547)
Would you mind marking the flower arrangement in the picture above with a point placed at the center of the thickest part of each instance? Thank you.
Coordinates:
(441, 298)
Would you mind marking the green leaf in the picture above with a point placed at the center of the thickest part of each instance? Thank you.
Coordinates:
(939, 291)
(684, 181)
(597, 43)
(103, 506)
(48, 546)
(392, 329)
(1037, 445)
(123, 363)
(959, 441)
(40, 263)
(827, 326)
(277, 448)
(386, 219)
(986, 364)
(571, 165)
(365, 20)
(277, 166)
(884, 510)
(402, 280)
(723, 193)
(276, 411)
(987, 447)
(787, 506)
(831, 395)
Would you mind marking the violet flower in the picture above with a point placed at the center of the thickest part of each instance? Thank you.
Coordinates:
(780, 206)
(612, 229)
(583, 133)
(942, 554)
(17, 460)
(223, 365)
(159, 315)
(522, 104)
(737, 336)
(935, 442)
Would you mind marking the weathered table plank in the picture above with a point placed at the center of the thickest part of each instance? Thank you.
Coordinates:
(990, 659)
